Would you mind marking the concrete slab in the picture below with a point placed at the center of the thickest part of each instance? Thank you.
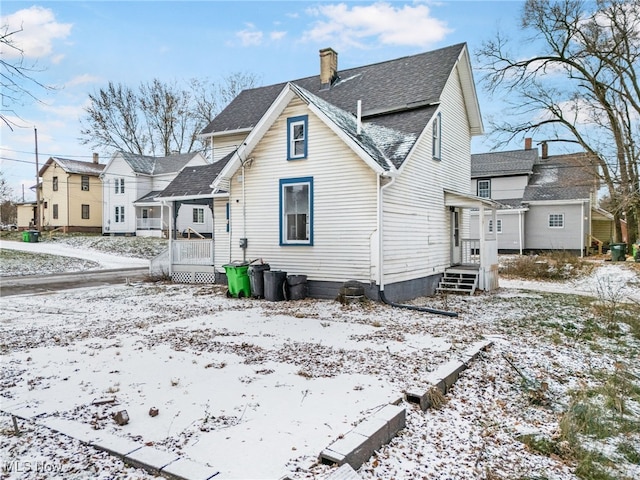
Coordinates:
(344, 472)
(396, 418)
(150, 459)
(340, 450)
(183, 469)
(117, 446)
(375, 429)
(450, 371)
(71, 428)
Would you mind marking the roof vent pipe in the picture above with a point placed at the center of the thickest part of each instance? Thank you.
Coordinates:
(359, 117)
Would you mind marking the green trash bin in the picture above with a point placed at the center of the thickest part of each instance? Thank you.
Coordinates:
(238, 279)
(618, 252)
(636, 252)
(26, 236)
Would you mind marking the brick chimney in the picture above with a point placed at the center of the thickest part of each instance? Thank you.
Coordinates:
(328, 67)
(95, 158)
(545, 150)
(527, 143)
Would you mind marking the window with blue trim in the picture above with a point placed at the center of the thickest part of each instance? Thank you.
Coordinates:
(436, 138)
(296, 211)
(297, 137)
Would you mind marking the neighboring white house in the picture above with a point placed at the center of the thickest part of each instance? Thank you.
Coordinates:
(130, 183)
(361, 174)
(548, 202)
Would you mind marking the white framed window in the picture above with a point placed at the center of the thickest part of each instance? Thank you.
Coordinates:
(484, 188)
(498, 226)
(297, 137)
(296, 211)
(436, 137)
(55, 211)
(556, 220)
(54, 184)
(198, 215)
(119, 185)
(119, 214)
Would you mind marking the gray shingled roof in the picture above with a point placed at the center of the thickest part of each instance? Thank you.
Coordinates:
(148, 165)
(74, 166)
(193, 181)
(395, 95)
(149, 197)
(383, 144)
(503, 164)
(562, 177)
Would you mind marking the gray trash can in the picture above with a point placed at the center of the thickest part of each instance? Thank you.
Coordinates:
(297, 287)
(256, 277)
(274, 281)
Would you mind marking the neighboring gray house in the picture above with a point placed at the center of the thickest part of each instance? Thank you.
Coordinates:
(548, 202)
(358, 174)
(130, 184)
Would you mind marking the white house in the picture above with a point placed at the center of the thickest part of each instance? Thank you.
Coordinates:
(547, 202)
(361, 174)
(130, 183)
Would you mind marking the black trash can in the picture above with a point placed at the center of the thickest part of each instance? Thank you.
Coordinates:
(256, 277)
(618, 252)
(297, 287)
(274, 285)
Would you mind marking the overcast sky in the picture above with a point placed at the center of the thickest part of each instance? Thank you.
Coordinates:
(79, 46)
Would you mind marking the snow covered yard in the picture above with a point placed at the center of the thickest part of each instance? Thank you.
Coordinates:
(257, 389)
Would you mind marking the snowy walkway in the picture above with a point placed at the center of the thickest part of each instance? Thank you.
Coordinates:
(106, 260)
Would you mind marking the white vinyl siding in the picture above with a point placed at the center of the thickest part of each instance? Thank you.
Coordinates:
(344, 204)
(503, 187)
(540, 235)
(417, 225)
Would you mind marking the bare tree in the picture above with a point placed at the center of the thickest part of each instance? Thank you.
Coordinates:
(16, 77)
(158, 118)
(581, 87)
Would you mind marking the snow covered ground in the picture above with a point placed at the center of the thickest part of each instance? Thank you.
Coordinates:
(257, 389)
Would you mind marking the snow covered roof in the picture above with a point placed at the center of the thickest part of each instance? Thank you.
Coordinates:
(399, 98)
(74, 166)
(562, 177)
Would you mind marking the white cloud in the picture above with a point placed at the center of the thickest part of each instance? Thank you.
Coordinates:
(250, 36)
(36, 29)
(407, 25)
(277, 35)
(81, 80)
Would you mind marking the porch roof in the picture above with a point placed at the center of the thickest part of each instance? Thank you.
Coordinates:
(465, 200)
(148, 199)
(194, 182)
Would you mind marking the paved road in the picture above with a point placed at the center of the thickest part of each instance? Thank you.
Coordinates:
(30, 284)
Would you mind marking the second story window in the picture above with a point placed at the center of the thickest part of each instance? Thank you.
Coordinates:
(436, 137)
(484, 188)
(119, 183)
(55, 184)
(297, 137)
(85, 183)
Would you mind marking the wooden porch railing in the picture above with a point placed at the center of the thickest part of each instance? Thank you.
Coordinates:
(471, 251)
(193, 252)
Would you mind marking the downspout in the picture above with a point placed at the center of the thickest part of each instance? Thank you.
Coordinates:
(171, 233)
(381, 189)
(520, 230)
(244, 215)
(582, 219)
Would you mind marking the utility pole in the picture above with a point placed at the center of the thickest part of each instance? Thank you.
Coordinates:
(38, 209)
